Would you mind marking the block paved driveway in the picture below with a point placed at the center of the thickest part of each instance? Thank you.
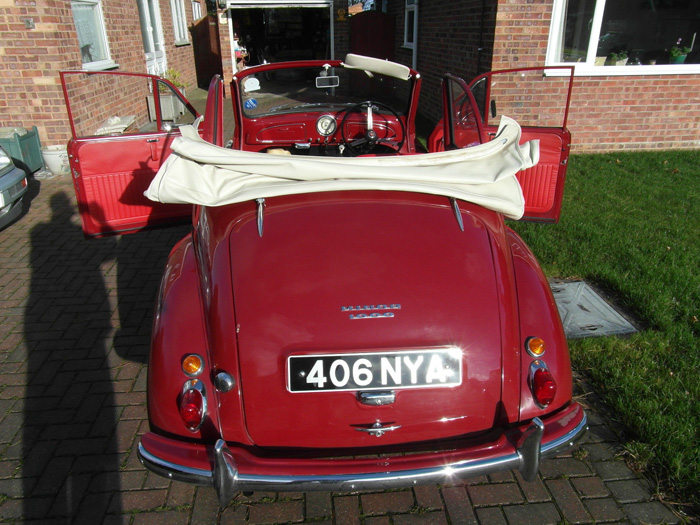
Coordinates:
(75, 318)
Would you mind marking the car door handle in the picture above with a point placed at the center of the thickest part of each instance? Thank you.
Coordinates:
(155, 151)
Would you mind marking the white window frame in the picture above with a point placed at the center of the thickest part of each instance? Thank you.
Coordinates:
(101, 33)
(177, 7)
(410, 40)
(588, 68)
(196, 10)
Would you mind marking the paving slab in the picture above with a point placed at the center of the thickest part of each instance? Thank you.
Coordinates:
(75, 318)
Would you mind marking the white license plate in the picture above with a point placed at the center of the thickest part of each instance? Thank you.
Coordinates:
(428, 368)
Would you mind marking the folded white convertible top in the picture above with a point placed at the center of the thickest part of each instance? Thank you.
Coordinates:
(200, 173)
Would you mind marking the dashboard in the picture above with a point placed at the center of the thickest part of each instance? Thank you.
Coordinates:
(301, 131)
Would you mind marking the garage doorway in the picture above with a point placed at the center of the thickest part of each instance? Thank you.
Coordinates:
(281, 32)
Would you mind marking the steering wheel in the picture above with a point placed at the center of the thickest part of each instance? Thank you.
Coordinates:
(370, 139)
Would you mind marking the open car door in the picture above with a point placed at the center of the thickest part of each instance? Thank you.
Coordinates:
(123, 125)
(538, 99)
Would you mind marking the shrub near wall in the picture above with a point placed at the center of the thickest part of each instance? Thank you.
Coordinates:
(607, 112)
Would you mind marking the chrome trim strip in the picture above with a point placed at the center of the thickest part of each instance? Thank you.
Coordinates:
(340, 482)
(174, 471)
(556, 446)
(260, 215)
(457, 212)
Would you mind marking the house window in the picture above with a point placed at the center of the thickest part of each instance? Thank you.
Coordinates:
(179, 22)
(626, 37)
(410, 30)
(92, 37)
(196, 10)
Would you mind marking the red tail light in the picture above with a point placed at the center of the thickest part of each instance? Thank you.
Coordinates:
(193, 405)
(542, 383)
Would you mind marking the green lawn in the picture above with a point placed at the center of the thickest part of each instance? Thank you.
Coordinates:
(631, 225)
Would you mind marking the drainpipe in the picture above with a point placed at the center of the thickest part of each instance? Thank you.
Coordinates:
(229, 15)
(480, 49)
(414, 59)
(331, 37)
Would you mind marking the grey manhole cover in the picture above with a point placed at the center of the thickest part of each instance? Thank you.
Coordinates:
(585, 314)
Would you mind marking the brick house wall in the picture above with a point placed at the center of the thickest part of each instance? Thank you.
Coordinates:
(454, 26)
(453, 37)
(607, 112)
(226, 45)
(469, 37)
(30, 58)
(341, 28)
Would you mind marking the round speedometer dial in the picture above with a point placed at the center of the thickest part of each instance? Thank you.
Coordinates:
(326, 125)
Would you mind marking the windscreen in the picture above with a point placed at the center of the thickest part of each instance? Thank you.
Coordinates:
(295, 90)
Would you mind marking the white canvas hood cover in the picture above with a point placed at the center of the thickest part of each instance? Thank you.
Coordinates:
(200, 173)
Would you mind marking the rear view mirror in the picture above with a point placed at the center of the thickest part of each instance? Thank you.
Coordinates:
(327, 82)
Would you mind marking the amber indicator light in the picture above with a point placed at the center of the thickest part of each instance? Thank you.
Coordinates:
(535, 346)
(192, 365)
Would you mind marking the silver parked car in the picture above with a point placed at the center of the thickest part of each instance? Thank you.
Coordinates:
(13, 186)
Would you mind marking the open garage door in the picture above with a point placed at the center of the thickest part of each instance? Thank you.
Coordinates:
(274, 31)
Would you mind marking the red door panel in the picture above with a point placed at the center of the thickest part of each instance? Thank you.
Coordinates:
(543, 184)
(123, 125)
(109, 184)
(538, 99)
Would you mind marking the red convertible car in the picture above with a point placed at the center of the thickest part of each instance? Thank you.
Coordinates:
(350, 310)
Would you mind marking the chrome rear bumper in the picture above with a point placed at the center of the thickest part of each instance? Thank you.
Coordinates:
(227, 479)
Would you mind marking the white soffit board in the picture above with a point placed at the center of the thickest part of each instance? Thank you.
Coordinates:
(269, 4)
(585, 314)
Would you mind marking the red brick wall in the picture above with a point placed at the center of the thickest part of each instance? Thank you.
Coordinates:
(448, 42)
(607, 112)
(30, 59)
(181, 58)
(225, 41)
(449, 37)
(341, 28)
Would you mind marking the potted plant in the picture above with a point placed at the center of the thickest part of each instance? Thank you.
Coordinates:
(678, 53)
(175, 78)
(170, 105)
(618, 58)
